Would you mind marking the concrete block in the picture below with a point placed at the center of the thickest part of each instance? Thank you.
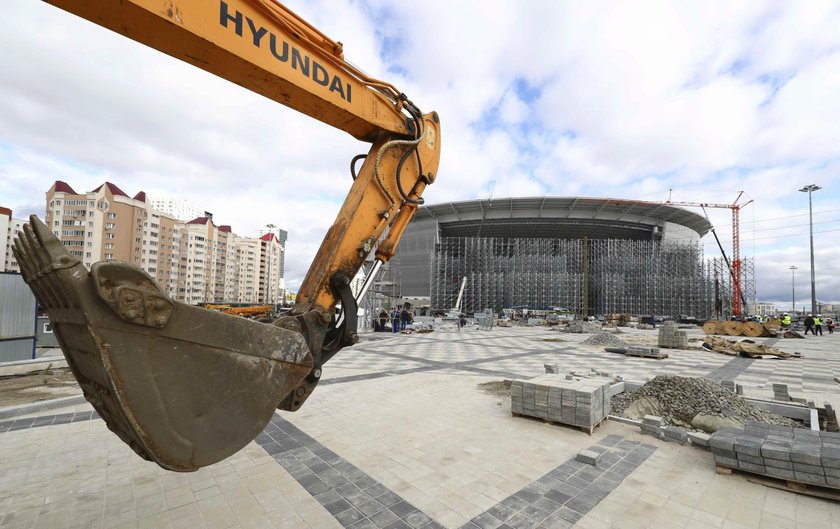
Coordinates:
(724, 453)
(809, 454)
(810, 469)
(832, 482)
(753, 460)
(675, 433)
(722, 441)
(748, 446)
(806, 436)
(652, 420)
(699, 439)
(771, 450)
(816, 479)
(749, 467)
(775, 463)
(589, 457)
(830, 457)
(779, 473)
(726, 461)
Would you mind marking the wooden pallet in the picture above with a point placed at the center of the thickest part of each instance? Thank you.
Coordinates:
(789, 485)
(584, 429)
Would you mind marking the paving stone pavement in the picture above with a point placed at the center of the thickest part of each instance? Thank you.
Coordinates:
(398, 435)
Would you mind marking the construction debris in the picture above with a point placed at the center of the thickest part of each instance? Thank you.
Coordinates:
(582, 327)
(744, 347)
(603, 338)
(641, 352)
(695, 403)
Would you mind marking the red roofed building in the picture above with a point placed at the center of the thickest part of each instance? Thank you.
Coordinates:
(194, 261)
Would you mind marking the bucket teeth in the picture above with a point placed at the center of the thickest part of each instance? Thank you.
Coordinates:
(183, 386)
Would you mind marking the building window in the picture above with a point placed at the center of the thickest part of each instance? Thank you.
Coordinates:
(109, 226)
(112, 215)
(109, 256)
(110, 236)
(109, 246)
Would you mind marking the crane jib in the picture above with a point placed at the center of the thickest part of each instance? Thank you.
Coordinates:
(283, 52)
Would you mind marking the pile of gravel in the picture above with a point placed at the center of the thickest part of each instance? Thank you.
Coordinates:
(678, 400)
(604, 339)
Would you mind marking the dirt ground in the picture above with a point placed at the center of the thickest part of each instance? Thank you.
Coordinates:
(497, 388)
(37, 386)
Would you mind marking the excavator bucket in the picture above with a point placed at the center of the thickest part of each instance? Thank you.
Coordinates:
(183, 386)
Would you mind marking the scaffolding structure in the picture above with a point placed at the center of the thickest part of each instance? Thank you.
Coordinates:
(585, 276)
(719, 280)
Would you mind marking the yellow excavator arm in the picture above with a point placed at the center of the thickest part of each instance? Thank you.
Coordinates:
(185, 386)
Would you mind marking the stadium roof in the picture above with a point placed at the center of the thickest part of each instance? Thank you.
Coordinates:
(598, 213)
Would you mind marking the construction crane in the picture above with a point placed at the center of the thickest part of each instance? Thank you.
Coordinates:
(738, 298)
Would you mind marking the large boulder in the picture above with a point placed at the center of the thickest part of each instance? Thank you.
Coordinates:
(643, 406)
(713, 423)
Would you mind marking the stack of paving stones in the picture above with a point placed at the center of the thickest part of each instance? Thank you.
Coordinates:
(793, 454)
(646, 352)
(582, 402)
(671, 337)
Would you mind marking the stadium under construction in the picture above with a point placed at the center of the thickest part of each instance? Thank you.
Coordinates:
(583, 255)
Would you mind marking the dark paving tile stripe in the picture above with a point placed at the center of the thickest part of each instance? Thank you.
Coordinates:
(563, 496)
(46, 420)
(731, 369)
(378, 374)
(355, 499)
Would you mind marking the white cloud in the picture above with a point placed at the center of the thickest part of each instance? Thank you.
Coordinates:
(625, 99)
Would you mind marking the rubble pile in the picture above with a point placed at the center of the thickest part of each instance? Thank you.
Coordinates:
(582, 327)
(603, 338)
(695, 403)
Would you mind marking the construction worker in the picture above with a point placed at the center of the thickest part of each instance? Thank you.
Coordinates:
(786, 320)
(818, 324)
(395, 320)
(809, 324)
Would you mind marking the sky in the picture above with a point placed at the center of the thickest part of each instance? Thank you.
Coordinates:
(692, 101)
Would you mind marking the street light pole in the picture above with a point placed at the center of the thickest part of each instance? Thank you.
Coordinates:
(809, 189)
(793, 290)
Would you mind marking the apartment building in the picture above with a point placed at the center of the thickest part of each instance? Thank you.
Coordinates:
(9, 228)
(177, 208)
(249, 273)
(271, 267)
(194, 261)
(108, 225)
